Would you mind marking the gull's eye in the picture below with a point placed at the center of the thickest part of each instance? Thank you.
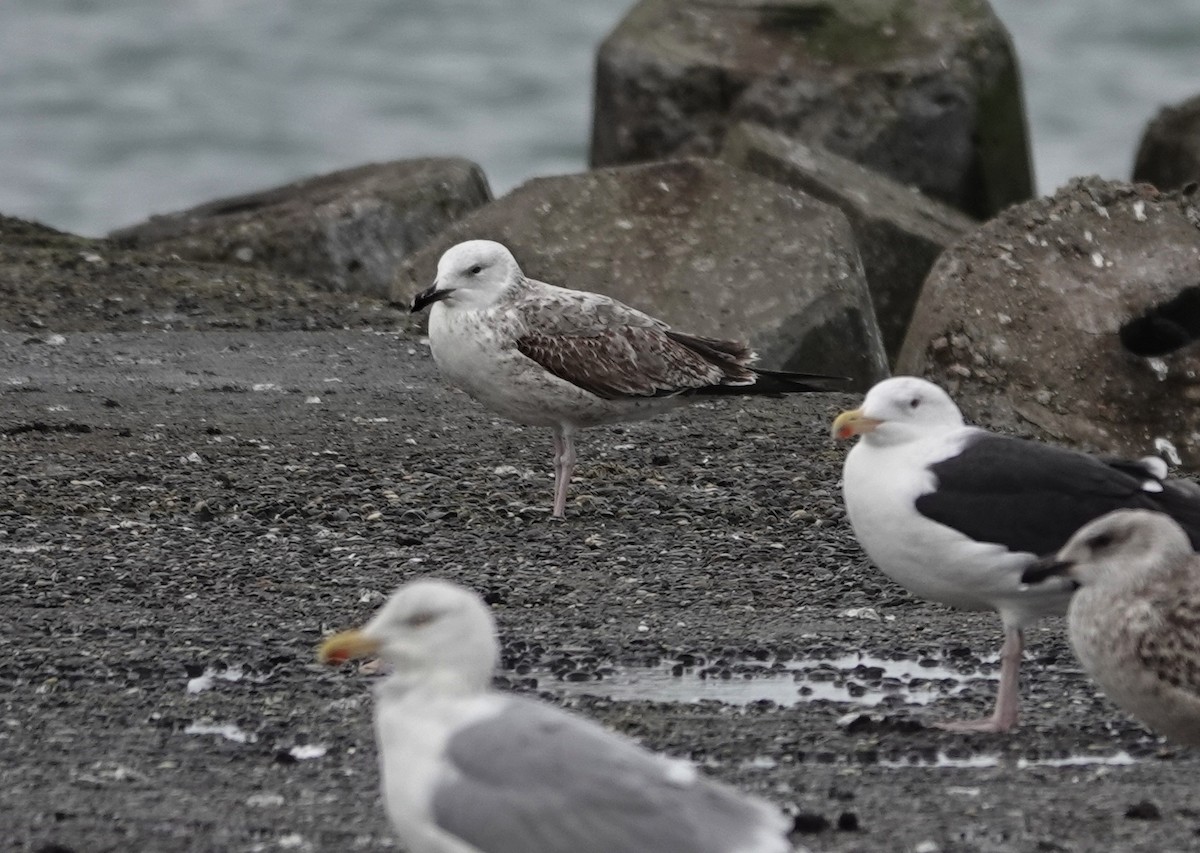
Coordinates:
(420, 619)
(476, 270)
(914, 402)
(1100, 540)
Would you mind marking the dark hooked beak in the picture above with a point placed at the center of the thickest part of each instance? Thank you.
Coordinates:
(428, 296)
(1044, 569)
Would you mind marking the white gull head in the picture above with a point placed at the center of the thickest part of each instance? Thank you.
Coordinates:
(432, 633)
(471, 275)
(898, 410)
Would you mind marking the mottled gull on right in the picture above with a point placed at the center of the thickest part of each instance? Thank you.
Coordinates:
(469, 770)
(548, 356)
(1135, 621)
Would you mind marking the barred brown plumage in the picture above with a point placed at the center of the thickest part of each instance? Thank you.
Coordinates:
(1135, 620)
(548, 356)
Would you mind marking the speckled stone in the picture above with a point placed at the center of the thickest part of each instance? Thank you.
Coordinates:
(346, 231)
(1020, 321)
(924, 91)
(900, 231)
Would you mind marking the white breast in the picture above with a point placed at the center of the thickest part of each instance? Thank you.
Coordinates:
(931, 560)
(412, 733)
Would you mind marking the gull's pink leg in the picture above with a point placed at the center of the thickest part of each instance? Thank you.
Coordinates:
(565, 467)
(558, 488)
(1004, 717)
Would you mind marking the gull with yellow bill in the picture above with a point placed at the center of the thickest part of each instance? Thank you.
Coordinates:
(467, 769)
(955, 513)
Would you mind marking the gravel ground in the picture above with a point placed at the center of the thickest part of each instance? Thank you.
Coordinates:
(182, 503)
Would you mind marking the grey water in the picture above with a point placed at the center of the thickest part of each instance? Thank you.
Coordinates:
(112, 111)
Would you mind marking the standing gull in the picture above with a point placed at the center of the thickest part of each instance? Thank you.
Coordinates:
(469, 770)
(1135, 621)
(547, 356)
(955, 513)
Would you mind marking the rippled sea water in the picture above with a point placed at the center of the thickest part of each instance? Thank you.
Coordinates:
(112, 111)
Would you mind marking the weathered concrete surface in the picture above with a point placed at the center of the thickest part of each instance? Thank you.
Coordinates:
(186, 506)
(1169, 153)
(54, 282)
(346, 231)
(706, 247)
(1021, 320)
(925, 91)
(900, 231)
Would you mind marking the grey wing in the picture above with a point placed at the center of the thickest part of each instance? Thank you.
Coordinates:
(1171, 649)
(614, 351)
(537, 780)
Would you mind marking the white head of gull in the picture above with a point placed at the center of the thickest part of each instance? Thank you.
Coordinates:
(955, 513)
(1135, 621)
(475, 274)
(469, 770)
(565, 359)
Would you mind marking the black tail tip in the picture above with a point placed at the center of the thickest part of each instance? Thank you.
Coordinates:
(781, 381)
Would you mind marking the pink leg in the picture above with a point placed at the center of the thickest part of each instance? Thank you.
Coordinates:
(1004, 717)
(564, 466)
(558, 452)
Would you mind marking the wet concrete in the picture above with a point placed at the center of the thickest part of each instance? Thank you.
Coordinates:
(183, 515)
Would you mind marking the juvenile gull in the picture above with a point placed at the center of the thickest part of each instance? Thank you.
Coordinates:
(1135, 621)
(469, 770)
(955, 513)
(547, 356)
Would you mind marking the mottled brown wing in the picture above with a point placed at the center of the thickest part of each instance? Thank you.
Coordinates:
(550, 310)
(625, 362)
(1172, 649)
(614, 351)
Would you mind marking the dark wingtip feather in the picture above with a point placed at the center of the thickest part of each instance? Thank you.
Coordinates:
(1180, 499)
(775, 382)
(714, 349)
(782, 381)
(734, 357)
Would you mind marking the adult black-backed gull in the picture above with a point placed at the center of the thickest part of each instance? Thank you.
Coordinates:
(547, 356)
(1135, 621)
(469, 770)
(955, 513)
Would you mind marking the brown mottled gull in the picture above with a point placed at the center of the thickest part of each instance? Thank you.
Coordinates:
(1135, 620)
(469, 770)
(547, 356)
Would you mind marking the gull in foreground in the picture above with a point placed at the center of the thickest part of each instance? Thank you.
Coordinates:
(469, 770)
(1135, 621)
(955, 513)
(547, 356)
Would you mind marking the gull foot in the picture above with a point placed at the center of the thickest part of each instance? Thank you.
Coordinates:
(987, 724)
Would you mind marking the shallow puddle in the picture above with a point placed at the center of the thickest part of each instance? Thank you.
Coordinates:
(206, 679)
(860, 680)
(226, 730)
(942, 761)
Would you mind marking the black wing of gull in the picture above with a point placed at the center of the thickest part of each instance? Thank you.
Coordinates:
(1032, 497)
